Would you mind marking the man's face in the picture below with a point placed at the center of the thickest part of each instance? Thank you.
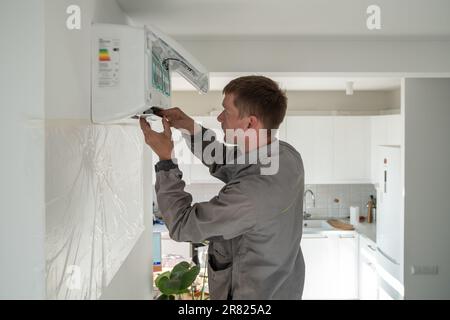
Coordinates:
(229, 118)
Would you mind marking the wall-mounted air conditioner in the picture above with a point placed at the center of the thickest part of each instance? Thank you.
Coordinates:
(131, 70)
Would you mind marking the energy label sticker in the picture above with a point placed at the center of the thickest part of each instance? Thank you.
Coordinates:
(108, 62)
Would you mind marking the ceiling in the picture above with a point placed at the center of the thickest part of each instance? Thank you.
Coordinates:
(292, 82)
(310, 18)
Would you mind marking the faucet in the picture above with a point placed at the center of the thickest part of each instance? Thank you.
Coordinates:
(305, 214)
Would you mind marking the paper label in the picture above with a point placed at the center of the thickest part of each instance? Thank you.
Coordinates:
(108, 62)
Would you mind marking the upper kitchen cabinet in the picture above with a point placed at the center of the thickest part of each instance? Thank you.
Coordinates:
(351, 147)
(385, 130)
(210, 122)
(394, 130)
(333, 149)
(312, 136)
(199, 173)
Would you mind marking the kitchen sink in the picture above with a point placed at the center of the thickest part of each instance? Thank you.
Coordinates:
(316, 224)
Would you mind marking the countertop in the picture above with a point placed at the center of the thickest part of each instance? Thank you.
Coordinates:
(366, 229)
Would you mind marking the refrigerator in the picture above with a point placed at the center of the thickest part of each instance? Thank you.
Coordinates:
(389, 223)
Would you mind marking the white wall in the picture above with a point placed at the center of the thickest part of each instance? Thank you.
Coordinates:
(22, 229)
(338, 54)
(106, 198)
(427, 185)
(303, 102)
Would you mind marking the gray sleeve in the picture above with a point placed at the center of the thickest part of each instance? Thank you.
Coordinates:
(225, 216)
(212, 153)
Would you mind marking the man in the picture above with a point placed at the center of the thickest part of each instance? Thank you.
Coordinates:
(254, 224)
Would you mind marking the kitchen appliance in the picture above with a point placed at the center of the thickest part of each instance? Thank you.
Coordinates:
(389, 224)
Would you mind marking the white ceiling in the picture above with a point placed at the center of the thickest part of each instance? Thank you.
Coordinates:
(294, 82)
(269, 18)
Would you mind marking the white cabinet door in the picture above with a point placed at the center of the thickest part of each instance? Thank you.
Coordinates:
(352, 149)
(199, 173)
(331, 266)
(378, 137)
(348, 267)
(321, 259)
(368, 288)
(312, 137)
(385, 130)
(394, 130)
(368, 278)
(333, 149)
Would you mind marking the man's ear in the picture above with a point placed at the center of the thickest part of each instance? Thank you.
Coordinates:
(253, 122)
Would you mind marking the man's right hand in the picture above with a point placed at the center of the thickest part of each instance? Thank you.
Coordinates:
(179, 120)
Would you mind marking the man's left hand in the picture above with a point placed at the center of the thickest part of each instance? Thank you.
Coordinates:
(160, 142)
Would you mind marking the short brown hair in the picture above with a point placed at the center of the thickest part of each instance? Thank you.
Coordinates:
(259, 96)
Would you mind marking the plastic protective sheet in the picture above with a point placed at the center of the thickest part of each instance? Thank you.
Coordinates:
(94, 205)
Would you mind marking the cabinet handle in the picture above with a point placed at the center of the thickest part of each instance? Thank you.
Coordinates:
(322, 236)
(346, 236)
(388, 257)
(371, 248)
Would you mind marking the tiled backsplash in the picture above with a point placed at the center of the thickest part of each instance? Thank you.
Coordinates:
(325, 194)
(346, 195)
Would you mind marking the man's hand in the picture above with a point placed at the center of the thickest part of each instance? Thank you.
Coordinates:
(160, 142)
(179, 120)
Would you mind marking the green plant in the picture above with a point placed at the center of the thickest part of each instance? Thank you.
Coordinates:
(177, 281)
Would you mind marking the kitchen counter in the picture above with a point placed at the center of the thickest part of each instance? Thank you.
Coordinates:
(366, 229)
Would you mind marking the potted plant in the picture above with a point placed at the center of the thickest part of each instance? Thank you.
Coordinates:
(177, 281)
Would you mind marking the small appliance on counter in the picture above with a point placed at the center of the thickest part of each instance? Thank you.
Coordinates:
(371, 207)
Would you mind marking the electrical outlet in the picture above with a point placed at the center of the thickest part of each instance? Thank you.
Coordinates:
(417, 270)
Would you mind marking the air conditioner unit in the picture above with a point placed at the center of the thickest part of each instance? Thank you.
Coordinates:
(131, 68)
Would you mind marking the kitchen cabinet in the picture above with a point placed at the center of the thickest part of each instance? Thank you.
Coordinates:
(312, 137)
(351, 149)
(333, 149)
(319, 252)
(330, 266)
(394, 130)
(385, 130)
(348, 266)
(199, 173)
(367, 273)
